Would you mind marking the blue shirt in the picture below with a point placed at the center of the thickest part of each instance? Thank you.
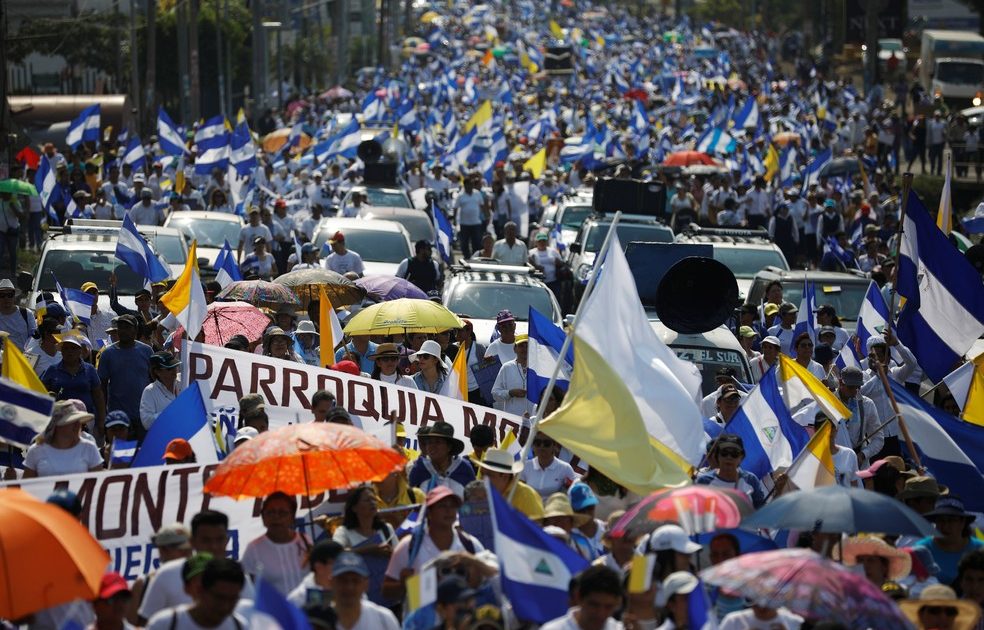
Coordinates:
(365, 363)
(126, 372)
(747, 483)
(948, 560)
(67, 385)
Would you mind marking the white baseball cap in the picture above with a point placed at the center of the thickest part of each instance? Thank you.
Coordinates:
(672, 537)
(676, 583)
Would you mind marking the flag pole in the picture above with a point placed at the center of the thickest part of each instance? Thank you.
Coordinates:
(903, 205)
(898, 414)
(568, 340)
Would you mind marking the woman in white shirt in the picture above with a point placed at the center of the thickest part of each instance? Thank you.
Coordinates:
(803, 346)
(60, 450)
(163, 388)
(361, 523)
(44, 345)
(387, 359)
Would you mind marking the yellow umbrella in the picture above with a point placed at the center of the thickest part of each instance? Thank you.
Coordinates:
(429, 17)
(399, 316)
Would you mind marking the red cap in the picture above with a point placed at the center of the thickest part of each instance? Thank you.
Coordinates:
(280, 203)
(111, 584)
(349, 367)
(178, 448)
(440, 493)
(337, 237)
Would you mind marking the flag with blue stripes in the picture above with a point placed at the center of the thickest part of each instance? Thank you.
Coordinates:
(944, 311)
(186, 418)
(170, 139)
(272, 610)
(811, 174)
(770, 435)
(716, 140)
(830, 245)
(45, 181)
(443, 234)
(872, 316)
(134, 250)
(212, 141)
(535, 569)
(806, 319)
(227, 271)
(78, 303)
(85, 128)
(123, 452)
(545, 343)
(134, 154)
(748, 115)
(25, 413)
(974, 224)
(242, 151)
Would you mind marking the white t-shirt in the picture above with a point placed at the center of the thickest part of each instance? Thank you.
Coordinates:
(745, 620)
(248, 232)
(556, 477)
(501, 349)
(280, 564)
(567, 622)
(547, 259)
(469, 207)
(166, 590)
(846, 466)
(373, 617)
(47, 460)
(181, 620)
(398, 379)
(344, 263)
(428, 551)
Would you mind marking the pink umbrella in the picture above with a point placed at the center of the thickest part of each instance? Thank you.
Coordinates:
(337, 92)
(696, 509)
(226, 319)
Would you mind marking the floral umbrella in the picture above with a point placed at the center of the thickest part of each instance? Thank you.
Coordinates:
(306, 284)
(696, 509)
(809, 585)
(226, 319)
(259, 293)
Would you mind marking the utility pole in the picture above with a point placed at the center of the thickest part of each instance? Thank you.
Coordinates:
(259, 60)
(150, 98)
(381, 35)
(341, 28)
(134, 70)
(184, 78)
(871, 10)
(219, 66)
(118, 34)
(193, 59)
(228, 59)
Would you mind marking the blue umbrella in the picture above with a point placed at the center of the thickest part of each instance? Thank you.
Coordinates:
(836, 509)
(385, 288)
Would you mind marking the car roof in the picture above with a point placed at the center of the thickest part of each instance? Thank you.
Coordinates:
(771, 272)
(349, 223)
(393, 211)
(205, 214)
(386, 189)
(497, 277)
(101, 240)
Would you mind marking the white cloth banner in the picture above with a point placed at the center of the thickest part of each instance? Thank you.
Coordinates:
(287, 387)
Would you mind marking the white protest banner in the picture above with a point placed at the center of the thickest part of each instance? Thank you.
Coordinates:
(123, 508)
(227, 375)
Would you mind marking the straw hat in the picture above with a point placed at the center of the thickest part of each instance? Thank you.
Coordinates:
(559, 504)
(899, 562)
(500, 461)
(939, 595)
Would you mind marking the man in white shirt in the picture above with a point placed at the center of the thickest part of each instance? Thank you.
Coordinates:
(216, 596)
(279, 554)
(147, 212)
(759, 207)
(502, 347)
(599, 595)
(510, 250)
(250, 231)
(784, 329)
(342, 260)
(544, 472)
(509, 389)
(350, 581)
(470, 208)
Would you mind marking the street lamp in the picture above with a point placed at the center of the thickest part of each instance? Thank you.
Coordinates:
(275, 26)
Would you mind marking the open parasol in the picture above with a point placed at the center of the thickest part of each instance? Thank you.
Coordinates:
(259, 293)
(402, 315)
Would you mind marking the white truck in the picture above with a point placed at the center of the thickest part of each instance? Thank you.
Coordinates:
(951, 67)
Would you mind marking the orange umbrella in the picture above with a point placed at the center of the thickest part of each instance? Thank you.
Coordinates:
(785, 137)
(689, 158)
(47, 558)
(304, 459)
(275, 140)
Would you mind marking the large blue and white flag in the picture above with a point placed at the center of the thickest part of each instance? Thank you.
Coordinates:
(846, 259)
(716, 140)
(343, 144)
(952, 450)
(134, 250)
(944, 310)
(274, 611)
(242, 152)
(373, 107)
(443, 234)
(185, 418)
(168, 135)
(78, 303)
(546, 342)
(872, 317)
(85, 128)
(748, 115)
(770, 435)
(227, 271)
(806, 318)
(535, 569)
(811, 174)
(134, 154)
(25, 413)
(45, 181)
(212, 142)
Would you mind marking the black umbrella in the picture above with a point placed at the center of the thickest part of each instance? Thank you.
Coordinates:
(840, 166)
(836, 509)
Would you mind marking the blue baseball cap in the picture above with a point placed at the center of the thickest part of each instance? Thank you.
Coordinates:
(829, 203)
(348, 562)
(117, 418)
(581, 496)
(53, 309)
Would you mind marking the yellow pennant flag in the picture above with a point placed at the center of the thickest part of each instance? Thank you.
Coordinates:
(536, 164)
(331, 330)
(771, 163)
(456, 384)
(944, 218)
(481, 116)
(555, 30)
(186, 299)
(814, 467)
(799, 384)
(17, 368)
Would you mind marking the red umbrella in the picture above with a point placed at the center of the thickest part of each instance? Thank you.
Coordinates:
(689, 158)
(697, 509)
(225, 319)
(29, 156)
(337, 92)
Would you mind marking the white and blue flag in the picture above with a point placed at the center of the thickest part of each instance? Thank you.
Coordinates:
(716, 140)
(272, 610)
(811, 174)
(535, 569)
(26, 413)
(770, 435)
(85, 128)
(873, 315)
(186, 418)
(78, 303)
(227, 271)
(806, 318)
(944, 310)
(974, 223)
(242, 152)
(546, 342)
(134, 250)
(443, 234)
(45, 181)
(123, 452)
(134, 154)
(343, 144)
(168, 135)
(212, 140)
(748, 115)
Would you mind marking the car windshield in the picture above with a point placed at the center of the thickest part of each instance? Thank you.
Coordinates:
(960, 73)
(745, 263)
(574, 216)
(372, 245)
(628, 232)
(419, 226)
(709, 360)
(483, 300)
(73, 267)
(382, 198)
(845, 298)
(170, 247)
(208, 232)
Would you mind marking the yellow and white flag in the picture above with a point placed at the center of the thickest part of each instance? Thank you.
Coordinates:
(798, 385)
(814, 467)
(330, 329)
(186, 299)
(966, 384)
(456, 384)
(944, 218)
(17, 368)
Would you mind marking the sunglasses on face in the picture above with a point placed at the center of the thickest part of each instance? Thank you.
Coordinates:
(940, 610)
(729, 452)
(6, 295)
